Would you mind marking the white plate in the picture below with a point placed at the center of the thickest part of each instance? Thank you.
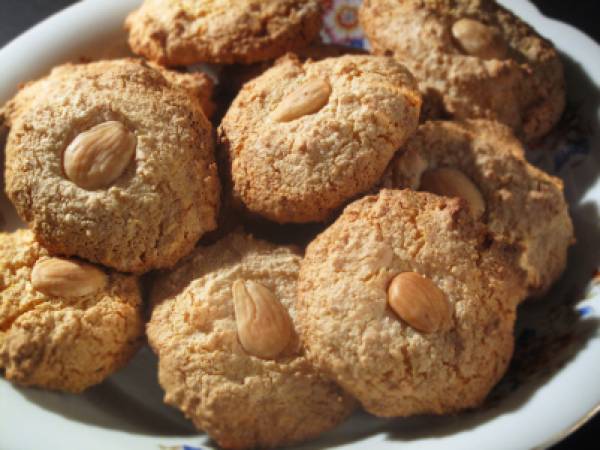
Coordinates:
(551, 388)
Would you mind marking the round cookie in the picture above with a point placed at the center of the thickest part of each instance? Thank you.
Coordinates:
(304, 138)
(197, 84)
(475, 58)
(64, 325)
(115, 166)
(207, 364)
(522, 205)
(183, 32)
(453, 338)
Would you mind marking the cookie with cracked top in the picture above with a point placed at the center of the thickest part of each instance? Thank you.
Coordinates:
(303, 139)
(198, 85)
(182, 32)
(64, 325)
(233, 77)
(473, 58)
(520, 204)
(224, 328)
(114, 165)
(407, 305)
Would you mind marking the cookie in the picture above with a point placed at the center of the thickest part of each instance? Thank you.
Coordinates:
(234, 76)
(475, 58)
(407, 304)
(223, 327)
(198, 85)
(181, 32)
(115, 166)
(482, 160)
(64, 324)
(302, 139)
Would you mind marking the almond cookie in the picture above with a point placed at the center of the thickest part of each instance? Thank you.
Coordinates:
(183, 32)
(115, 166)
(473, 57)
(304, 138)
(198, 85)
(64, 324)
(233, 77)
(405, 303)
(224, 329)
(484, 163)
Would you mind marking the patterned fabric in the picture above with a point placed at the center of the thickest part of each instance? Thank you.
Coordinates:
(341, 23)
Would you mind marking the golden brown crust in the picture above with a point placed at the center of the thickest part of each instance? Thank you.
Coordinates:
(67, 344)
(207, 373)
(197, 84)
(233, 77)
(524, 90)
(302, 170)
(525, 207)
(156, 211)
(352, 334)
(180, 32)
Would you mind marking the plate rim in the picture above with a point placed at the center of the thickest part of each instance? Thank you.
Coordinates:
(585, 45)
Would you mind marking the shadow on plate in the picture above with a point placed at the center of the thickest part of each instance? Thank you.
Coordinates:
(571, 149)
(131, 401)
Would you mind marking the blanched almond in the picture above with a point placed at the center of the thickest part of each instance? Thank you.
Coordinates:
(307, 99)
(263, 324)
(98, 156)
(453, 183)
(419, 302)
(62, 277)
(479, 40)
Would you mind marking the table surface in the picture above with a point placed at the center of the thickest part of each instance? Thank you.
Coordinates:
(17, 16)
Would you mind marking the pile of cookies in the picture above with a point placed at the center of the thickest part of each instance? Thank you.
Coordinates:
(432, 225)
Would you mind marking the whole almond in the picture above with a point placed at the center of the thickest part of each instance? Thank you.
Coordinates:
(406, 170)
(479, 40)
(454, 183)
(98, 156)
(309, 98)
(62, 277)
(264, 326)
(419, 302)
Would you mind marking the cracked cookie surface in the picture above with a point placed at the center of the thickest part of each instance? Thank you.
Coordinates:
(234, 76)
(57, 342)
(507, 72)
(240, 400)
(524, 206)
(161, 201)
(302, 167)
(182, 32)
(354, 336)
(197, 84)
